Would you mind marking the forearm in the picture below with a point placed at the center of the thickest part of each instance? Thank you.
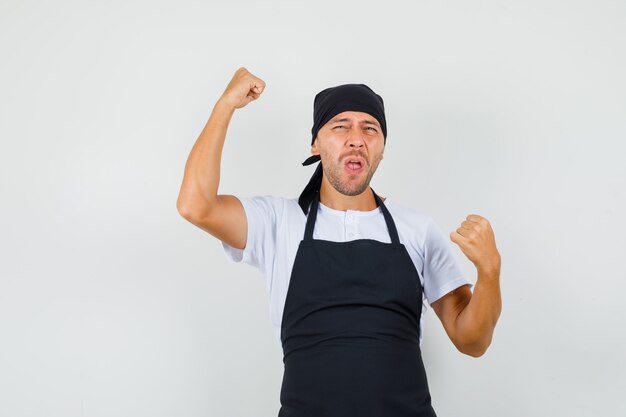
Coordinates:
(202, 170)
(477, 321)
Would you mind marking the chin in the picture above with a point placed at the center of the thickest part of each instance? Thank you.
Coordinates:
(354, 191)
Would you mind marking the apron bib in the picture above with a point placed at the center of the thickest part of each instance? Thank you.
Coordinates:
(350, 329)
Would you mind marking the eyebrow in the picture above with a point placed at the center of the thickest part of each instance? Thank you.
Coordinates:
(362, 121)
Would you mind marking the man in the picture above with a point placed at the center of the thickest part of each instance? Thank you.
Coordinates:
(347, 271)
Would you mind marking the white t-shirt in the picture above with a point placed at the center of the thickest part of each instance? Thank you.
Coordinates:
(276, 227)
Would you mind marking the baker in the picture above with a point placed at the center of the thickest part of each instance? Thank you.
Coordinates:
(347, 271)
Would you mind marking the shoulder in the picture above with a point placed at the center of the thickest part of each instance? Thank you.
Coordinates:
(269, 202)
(412, 224)
(271, 205)
(409, 216)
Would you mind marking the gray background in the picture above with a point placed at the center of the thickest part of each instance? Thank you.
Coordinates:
(111, 304)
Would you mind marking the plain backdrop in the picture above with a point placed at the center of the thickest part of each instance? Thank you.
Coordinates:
(112, 304)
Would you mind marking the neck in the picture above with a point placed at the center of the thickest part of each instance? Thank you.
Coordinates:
(335, 200)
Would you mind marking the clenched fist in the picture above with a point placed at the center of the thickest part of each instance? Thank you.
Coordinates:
(242, 89)
(476, 240)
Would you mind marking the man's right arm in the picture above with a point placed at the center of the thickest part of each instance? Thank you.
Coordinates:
(222, 216)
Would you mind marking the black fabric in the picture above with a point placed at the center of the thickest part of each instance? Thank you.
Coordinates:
(346, 97)
(329, 103)
(350, 329)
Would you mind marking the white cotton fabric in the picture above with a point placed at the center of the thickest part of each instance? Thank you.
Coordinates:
(276, 227)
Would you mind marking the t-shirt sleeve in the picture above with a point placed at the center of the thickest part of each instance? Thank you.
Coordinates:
(262, 213)
(442, 273)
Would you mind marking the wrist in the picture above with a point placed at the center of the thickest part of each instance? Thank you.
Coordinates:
(222, 113)
(224, 106)
(491, 269)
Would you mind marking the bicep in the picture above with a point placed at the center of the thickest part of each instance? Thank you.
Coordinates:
(225, 219)
(450, 306)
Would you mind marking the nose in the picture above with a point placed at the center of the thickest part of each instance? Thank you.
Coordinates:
(356, 138)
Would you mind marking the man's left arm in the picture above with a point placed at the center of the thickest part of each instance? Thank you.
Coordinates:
(470, 318)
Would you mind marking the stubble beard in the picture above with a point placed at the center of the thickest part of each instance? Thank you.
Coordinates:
(335, 171)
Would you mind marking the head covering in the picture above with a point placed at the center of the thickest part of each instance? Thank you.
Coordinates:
(329, 103)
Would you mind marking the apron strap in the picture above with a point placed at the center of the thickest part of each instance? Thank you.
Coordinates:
(312, 216)
(391, 225)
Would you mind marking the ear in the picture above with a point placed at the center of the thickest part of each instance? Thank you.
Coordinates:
(314, 150)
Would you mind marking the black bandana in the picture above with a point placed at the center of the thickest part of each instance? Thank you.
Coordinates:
(327, 104)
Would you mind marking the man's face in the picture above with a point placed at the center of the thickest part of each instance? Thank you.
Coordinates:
(350, 136)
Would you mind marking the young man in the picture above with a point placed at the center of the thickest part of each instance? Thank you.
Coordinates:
(347, 271)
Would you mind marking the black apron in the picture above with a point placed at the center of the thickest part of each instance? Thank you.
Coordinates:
(350, 329)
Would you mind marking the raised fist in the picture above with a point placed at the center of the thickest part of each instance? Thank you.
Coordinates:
(242, 89)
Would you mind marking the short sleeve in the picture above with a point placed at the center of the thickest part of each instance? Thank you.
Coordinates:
(261, 214)
(442, 273)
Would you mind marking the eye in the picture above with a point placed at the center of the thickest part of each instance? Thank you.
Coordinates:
(338, 126)
(369, 127)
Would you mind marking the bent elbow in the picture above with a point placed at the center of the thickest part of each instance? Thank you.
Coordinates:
(188, 210)
(474, 350)
(474, 353)
(182, 207)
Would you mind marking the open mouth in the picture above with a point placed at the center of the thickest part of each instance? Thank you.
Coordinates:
(354, 166)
